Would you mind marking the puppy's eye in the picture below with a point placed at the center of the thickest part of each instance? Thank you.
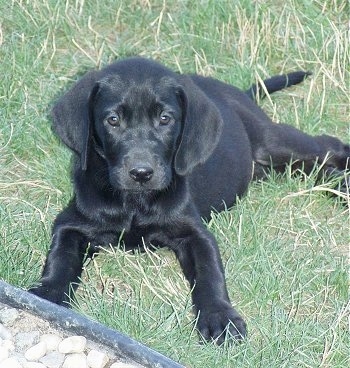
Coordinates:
(113, 120)
(164, 119)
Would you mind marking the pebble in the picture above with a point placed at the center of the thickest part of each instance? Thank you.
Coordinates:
(10, 363)
(33, 365)
(52, 341)
(24, 340)
(73, 344)
(8, 316)
(75, 361)
(4, 353)
(36, 352)
(8, 344)
(96, 359)
(53, 359)
(5, 334)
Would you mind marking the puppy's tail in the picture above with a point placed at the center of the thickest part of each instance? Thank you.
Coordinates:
(276, 83)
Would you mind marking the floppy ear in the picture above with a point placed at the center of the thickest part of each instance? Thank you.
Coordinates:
(71, 120)
(202, 127)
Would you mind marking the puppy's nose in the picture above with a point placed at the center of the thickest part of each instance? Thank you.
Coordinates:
(141, 174)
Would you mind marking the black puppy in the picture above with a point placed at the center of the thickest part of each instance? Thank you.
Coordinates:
(155, 152)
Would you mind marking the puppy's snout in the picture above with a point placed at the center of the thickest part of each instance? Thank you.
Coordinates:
(141, 173)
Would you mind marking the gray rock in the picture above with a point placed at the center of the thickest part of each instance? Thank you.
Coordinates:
(8, 316)
(24, 340)
(53, 359)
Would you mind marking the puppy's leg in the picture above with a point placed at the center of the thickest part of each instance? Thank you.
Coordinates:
(277, 145)
(201, 263)
(64, 262)
(282, 144)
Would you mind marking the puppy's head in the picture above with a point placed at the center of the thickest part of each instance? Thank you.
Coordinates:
(146, 122)
(136, 125)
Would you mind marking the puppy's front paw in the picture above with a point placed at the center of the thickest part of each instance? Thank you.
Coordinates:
(217, 323)
(52, 294)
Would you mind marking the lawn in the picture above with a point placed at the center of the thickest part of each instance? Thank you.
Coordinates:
(285, 246)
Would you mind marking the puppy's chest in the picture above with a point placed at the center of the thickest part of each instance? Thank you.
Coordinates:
(138, 228)
(131, 212)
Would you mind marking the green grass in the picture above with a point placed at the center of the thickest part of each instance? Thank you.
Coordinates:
(285, 245)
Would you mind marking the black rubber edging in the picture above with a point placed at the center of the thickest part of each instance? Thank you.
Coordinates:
(73, 322)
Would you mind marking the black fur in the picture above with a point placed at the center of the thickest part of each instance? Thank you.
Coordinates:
(155, 152)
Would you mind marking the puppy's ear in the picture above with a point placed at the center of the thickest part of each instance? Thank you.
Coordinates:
(71, 116)
(202, 127)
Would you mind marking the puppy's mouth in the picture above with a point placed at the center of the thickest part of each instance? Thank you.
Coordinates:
(129, 185)
(140, 179)
(142, 187)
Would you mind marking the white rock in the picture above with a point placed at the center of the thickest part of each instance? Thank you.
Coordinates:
(8, 344)
(77, 360)
(4, 353)
(123, 365)
(96, 359)
(52, 341)
(10, 363)
(19, 357)
(5, 334)
(73, 344)
(34, 365)
(36, 352)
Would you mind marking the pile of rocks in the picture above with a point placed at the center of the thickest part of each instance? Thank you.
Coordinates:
(26, 341)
